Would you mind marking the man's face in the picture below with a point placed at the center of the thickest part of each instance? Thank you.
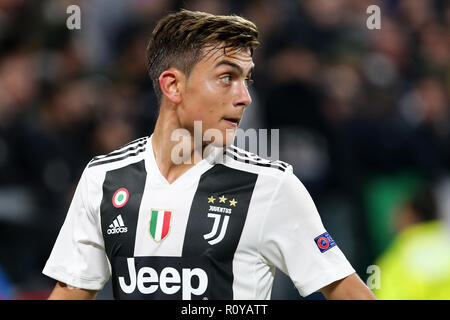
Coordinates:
(216, 94)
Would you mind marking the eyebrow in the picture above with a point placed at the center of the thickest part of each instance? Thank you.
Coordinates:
(235, 66)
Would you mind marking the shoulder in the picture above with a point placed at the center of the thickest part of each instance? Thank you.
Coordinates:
(96, 170)
(251, 162)
(126, 154)
(275, 175)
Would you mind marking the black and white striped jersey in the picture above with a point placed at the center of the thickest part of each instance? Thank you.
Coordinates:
(217, 232)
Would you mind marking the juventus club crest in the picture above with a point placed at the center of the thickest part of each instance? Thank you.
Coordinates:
(160, 220)
(221, 215)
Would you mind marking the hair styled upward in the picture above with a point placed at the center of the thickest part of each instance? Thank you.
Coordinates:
(179, 38)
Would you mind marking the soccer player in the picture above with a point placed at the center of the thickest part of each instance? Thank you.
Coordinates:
(212, 222)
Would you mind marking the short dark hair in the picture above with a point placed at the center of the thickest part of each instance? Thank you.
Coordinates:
(179, 38)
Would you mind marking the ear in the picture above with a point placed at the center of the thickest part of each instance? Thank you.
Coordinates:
(170, 82)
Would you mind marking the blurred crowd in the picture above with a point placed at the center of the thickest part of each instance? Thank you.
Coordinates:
(364, 115)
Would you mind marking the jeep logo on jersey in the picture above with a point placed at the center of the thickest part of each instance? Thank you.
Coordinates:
(147, 281)
(160, 223)
(120, 197)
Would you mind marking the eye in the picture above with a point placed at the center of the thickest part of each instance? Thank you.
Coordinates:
(248, 82)
(226, 79)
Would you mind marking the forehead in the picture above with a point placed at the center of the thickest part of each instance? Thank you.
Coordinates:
(212, 56)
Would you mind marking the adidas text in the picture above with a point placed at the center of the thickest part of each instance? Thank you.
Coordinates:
(118, 226)
(117, 230)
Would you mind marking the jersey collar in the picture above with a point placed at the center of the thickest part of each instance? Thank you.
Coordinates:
(213, 155)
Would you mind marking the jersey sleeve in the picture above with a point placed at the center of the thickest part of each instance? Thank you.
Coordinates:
(294, 240)
(78, 257)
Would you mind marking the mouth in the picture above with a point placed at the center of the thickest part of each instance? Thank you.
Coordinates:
(233, 121)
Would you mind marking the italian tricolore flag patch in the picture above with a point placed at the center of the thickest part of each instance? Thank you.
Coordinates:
(160, 223)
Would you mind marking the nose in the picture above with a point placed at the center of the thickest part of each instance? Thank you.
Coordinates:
(243, 98)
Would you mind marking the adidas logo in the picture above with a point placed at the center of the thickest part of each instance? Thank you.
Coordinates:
(117, 226)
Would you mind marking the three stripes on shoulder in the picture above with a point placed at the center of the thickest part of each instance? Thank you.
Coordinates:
(130, 149)
(251, 158)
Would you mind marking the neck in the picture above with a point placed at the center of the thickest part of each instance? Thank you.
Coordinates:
(169, 140)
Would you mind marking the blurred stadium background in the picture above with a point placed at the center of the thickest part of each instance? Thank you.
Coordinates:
(363, 118)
